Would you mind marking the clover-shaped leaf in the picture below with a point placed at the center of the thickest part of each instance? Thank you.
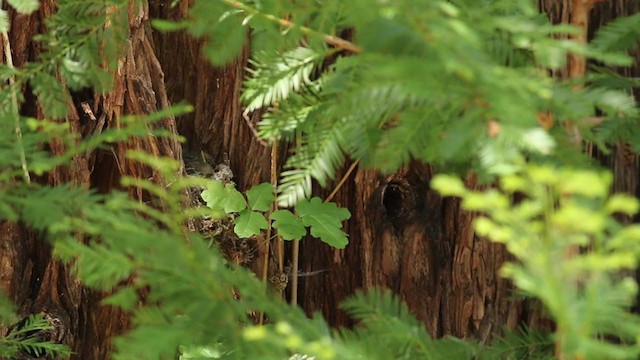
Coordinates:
(261, 197)
(325, 220)
(289, 226)
(249, 223)
(223, 197)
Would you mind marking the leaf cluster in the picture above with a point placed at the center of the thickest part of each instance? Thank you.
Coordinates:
(324, 219)
(422, 79)
(453, 83)
(588, 294)
(22, 341)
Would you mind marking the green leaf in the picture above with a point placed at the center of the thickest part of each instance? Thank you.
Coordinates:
(52, 96)
(622, 33)
(276, 76)
(448, 185)
(289, 226)
(213, 195)
(623, 204)
(235, 200)
(223, 197)
(25, 6)
(249, 223)
(4, 21)
(261, 197)
(6, 309)
(167, 26)
(126, 298)
(221, 50)
(325, 220)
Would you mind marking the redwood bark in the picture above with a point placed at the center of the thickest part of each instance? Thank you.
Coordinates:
(403, 235)
(28, 273)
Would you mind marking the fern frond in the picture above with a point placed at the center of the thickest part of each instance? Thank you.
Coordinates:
(415, 134)
(520, 344)
(501, 48)
(318, 156)
(621, 34)
(79, 43)
(275, 76)
(389, 329)
(26, 338)
(373, 305)
(281, 122)
(603, 77)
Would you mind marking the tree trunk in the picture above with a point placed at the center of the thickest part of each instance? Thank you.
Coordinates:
(403, 236)
(28, 273)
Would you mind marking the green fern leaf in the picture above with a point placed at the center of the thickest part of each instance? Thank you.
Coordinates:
(221, 49)
(621, 34)
(318, 157)
(275, 77)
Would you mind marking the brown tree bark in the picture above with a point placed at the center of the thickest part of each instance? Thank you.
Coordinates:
(403, 235)
(32, 278)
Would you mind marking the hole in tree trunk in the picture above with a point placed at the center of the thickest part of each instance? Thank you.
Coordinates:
(393, 196)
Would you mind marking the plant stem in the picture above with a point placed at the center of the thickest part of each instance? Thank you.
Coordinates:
(14, 105)
(296, 248)
(274, 206)
(294, 272)
(329, 39)
(342, 181)
(274, 181)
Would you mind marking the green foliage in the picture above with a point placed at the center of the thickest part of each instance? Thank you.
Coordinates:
(563, 210)
(290, 226)
(224, 197)
(620, 34)
(25, 6)
(21, 6)
(389, 331)
(410, 91)
(21, 341)
(189, 302)
(520, 344)
(324, 219)
(249, 223)
(456, 83)
(260, 197)
(275, 77)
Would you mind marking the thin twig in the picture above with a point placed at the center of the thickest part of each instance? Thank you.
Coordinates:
(294, 272)
(295, 257)
(14, 104)
(253, 129)
(342, 181)
(329, 39)
(274, 181)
